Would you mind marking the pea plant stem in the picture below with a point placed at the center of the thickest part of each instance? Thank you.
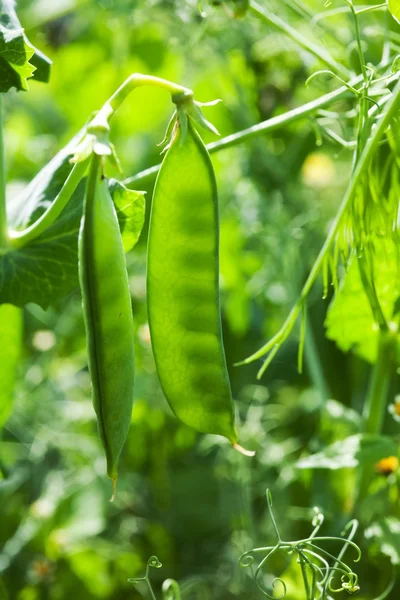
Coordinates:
(17, 239)
(390, 110)
(3, 179)
(375, 403)
(272, 124)
(320, 53)
(134, 81)
(137, 80)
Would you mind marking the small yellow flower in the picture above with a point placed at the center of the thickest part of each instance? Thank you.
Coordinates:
(388, 465)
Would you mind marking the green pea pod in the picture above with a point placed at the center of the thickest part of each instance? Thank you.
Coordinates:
(183, 291)
(108, 316)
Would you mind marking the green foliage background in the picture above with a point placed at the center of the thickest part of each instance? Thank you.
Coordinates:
(187, 498)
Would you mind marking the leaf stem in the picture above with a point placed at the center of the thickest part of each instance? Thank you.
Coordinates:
(260, 128)
(3, 180)
(320, 53)
(17, 239)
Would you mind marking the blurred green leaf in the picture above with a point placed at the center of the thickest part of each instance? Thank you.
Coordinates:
(355, 450)
(19, 60)
(394, 7)
(386, 533)
(10, 349)
(3, 591)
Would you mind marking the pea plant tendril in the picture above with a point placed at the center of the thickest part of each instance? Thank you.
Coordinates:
(319, 566)
(170, 587)
(323, 572)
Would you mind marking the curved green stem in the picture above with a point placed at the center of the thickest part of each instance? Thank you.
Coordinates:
(259, 129)
(137, 80)
(17, 239)
(3, 179)
(129, 85)
(320, 53)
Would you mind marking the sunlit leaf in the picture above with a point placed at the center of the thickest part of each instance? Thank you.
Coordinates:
(130, 206)
(350, 321)
(394, 7)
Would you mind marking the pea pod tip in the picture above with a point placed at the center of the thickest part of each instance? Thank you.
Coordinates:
(243, 451)
(114, 489)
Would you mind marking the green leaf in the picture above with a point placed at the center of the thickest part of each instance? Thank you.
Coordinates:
(355, 450)
(35, 199)
(386, 534)
(19, 60)
(350, 322)
(130, 206)
(394, 8)
(10, 349)
(47, 268)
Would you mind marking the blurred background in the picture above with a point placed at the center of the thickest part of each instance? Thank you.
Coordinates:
(188, 499)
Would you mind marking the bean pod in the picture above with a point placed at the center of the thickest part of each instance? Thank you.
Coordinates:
(108, 316)
(183, 290)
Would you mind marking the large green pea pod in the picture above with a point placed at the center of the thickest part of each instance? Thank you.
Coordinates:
(183, 291)
(108, 317)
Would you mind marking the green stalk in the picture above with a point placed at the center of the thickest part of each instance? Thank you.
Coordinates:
(272, 124)
(129, 85)
(17, 239)
(320, 53)
(375, 403)
(3, 181)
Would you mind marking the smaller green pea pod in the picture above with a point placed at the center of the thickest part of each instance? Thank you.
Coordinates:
(108, 316)
(183, 292)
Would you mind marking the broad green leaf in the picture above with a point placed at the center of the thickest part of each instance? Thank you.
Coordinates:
(386, 534)
(394, 7)
(47, 268)
(35, 199)
(10, 348)
(19, 60)
(355, 450)
(349, 321)
(130, 206)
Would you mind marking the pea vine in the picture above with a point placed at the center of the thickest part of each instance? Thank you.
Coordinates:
(319, 567)
(323, 571)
